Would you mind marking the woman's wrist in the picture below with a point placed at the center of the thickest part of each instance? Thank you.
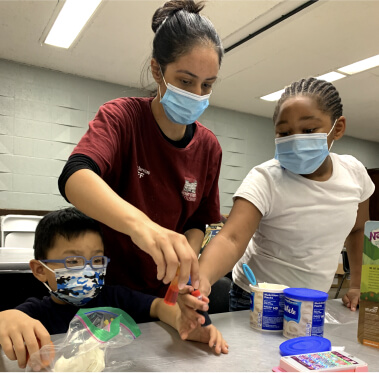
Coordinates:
(134, 221)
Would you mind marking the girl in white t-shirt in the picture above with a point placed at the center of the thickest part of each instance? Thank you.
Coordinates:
(293, 215)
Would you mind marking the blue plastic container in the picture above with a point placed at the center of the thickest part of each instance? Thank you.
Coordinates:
(304, 312)
(304, 345)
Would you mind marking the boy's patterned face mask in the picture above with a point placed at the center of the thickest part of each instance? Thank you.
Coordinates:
(77, 287)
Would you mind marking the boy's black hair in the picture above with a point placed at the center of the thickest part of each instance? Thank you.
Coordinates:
(68, 223)
(325, 94)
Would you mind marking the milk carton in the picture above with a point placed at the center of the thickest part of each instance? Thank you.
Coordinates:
(368, 324)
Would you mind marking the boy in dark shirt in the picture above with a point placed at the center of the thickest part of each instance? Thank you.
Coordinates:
(69, 261)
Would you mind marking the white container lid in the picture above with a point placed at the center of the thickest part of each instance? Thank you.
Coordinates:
(265, 286)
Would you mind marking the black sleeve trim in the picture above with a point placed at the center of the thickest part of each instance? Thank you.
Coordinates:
(191, 225)
(75, 163)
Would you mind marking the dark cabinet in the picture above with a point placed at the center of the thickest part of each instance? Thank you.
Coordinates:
(374, 199)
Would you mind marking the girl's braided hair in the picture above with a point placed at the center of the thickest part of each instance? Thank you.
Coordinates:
(325, 94)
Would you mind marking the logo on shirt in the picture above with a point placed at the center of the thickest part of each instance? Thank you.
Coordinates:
(142, 172)
(189, 189)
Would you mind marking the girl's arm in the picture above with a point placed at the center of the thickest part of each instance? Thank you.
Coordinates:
(228, 246)
(222, 253)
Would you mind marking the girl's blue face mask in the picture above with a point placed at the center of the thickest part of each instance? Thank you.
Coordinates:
(303, 154)
(181, 106)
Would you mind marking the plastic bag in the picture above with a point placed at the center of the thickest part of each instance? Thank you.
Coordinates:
(87, 347)
(337, 313)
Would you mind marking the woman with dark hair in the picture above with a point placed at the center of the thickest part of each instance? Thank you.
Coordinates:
(146, 168)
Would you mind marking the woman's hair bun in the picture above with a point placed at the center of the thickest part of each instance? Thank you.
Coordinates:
(171, 7)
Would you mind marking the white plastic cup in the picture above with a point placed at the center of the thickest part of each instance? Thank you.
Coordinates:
(267, 307)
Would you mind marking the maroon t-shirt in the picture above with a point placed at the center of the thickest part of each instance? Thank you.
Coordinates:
(172, 186)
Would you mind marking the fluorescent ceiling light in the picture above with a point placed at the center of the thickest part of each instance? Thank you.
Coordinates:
(273, 96)
(331, 77)
(70, 21)
(359, 66)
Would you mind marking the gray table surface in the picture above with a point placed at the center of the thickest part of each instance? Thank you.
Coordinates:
(159, 347)
(15, 259)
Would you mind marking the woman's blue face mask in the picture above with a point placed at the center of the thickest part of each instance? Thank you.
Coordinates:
(181, 106)
(303, 154)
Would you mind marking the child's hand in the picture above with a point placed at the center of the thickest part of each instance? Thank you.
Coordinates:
(195, 332)
(184, 325)
(211, 335)
(351, 298)
(189, 304)
(21, 335)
